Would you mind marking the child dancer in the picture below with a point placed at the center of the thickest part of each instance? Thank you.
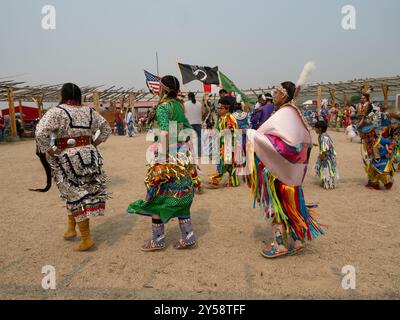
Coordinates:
(326, 163)
(339, 118)
(227, 159)
(392, 132)
(378, 162)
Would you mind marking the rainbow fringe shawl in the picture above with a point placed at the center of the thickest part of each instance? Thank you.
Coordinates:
(284, 204)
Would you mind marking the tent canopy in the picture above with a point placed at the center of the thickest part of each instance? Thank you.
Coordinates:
(308, 103)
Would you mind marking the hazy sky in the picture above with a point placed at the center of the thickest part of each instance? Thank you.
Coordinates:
(255, 42)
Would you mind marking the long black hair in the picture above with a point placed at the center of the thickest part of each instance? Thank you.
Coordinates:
(47, 169)
(322, 125)
(290, 88)
(71, 92)
(171, 91)
(237, 107)
(172, 83)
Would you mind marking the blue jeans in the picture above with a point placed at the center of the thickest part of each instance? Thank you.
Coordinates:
(130, 129)
(120, 129)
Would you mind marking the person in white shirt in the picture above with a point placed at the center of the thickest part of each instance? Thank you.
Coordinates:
(194, 113)
(130, 123)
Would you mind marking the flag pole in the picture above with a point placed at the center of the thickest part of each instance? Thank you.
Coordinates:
(158, 70)
(219, 79)
(179, 69)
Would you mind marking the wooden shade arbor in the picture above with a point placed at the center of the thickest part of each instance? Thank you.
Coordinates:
(354, 87)
(346, 88)
(11, 91)
(51, 93)
(13, 124)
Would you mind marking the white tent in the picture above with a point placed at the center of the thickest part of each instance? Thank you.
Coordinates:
(308, 103)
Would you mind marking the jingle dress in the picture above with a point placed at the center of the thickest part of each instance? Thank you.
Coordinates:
(78, 172)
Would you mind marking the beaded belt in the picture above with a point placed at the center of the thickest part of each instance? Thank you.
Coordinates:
(65, 143)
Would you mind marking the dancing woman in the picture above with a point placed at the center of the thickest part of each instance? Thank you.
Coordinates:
(65, 134)
(170, 184)
(278, 155)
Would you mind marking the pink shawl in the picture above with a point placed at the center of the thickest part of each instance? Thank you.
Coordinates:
(283, 144)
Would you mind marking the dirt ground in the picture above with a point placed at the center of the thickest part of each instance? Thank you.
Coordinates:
(362, 231)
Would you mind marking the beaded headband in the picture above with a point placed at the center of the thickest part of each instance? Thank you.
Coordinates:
(282, 90)
(164, 87)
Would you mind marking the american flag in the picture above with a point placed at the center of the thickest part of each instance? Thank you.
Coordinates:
(153, 82)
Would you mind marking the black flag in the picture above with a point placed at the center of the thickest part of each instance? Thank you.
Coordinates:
(206, 75)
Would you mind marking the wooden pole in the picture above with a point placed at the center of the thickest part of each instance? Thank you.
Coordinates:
(385, 90)
(41, 106)
(122, 103)
(366, 89)
(131, 99)
(21, 112)
(96, 101)
(136, 110)
(38, 101)
(332, 93)
(11, 109)
(344, 98)
(319, 99)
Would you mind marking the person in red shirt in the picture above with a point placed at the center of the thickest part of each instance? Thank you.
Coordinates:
(119, 121)
(2, 125)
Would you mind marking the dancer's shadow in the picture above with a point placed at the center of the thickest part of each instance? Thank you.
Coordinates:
(200, 222)
(316, 182)
(354, 181)
(263, 233)
(115, 228)
(116, 181)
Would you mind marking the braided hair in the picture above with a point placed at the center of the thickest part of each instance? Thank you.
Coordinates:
(172, 86)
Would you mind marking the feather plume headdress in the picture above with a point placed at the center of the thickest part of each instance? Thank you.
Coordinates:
(305, 76)
(303, 79)
(366, 90)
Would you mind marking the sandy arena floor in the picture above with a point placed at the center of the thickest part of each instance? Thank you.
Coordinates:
(362, 231)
